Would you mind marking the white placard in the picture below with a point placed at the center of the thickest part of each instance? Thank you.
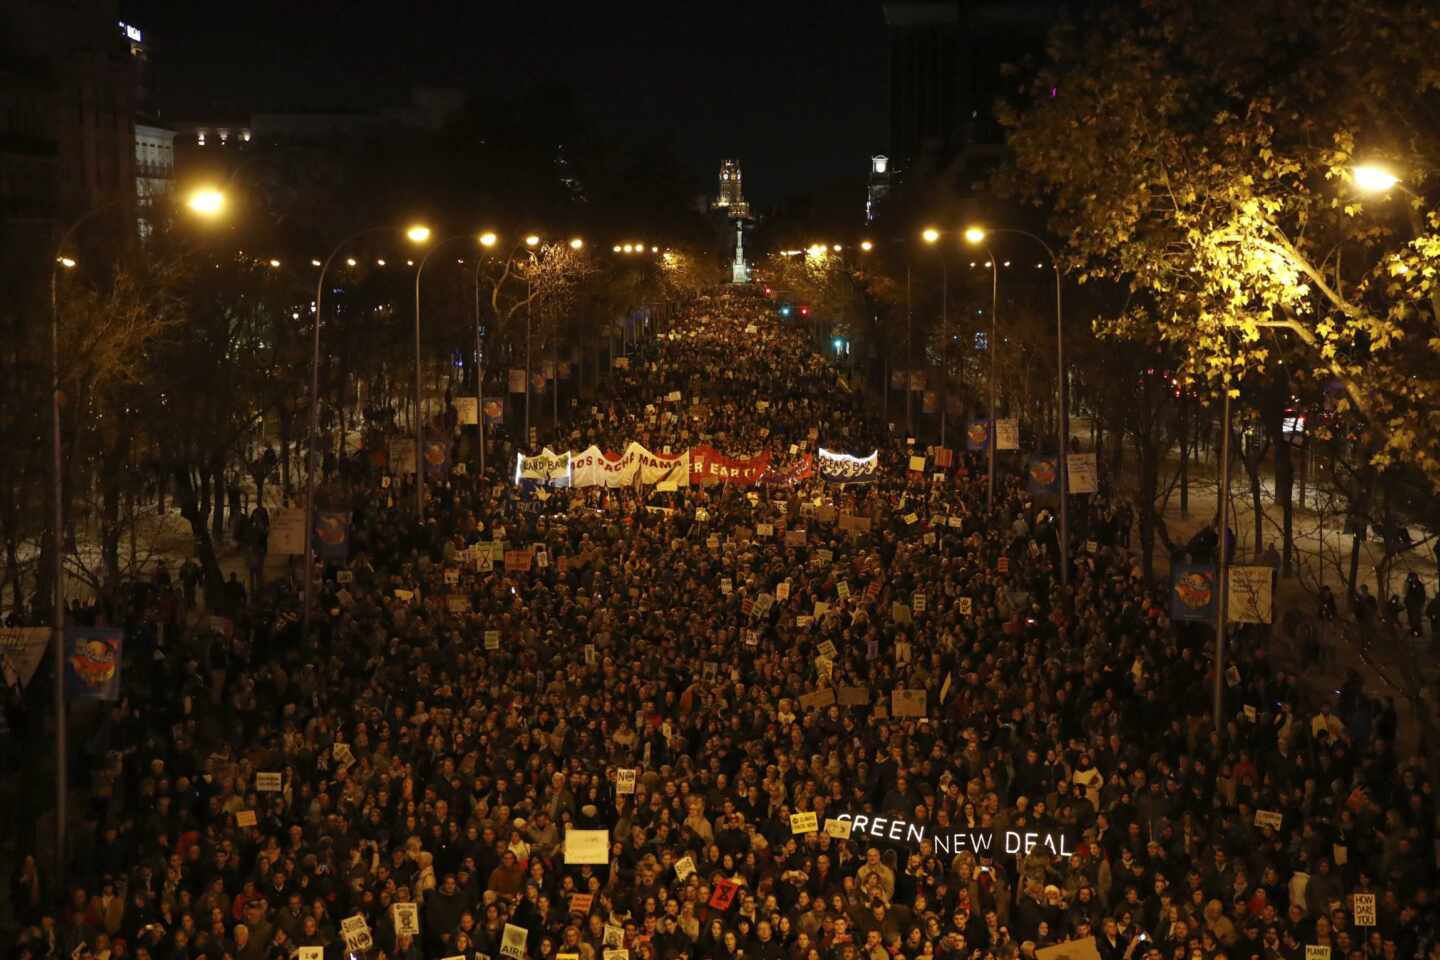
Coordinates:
(512, 943)
(1268, 818)
(587, 846)
(1249, 598)
(469, 410)
(1364, 909)
(267, 782)
(287, 531)
(1007, 434)
(406, 917)
(625, 782)
(684, 867)
(1314, 952)
(1083, 474)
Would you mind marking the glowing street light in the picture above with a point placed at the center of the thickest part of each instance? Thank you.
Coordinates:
(419, 233)
(532, 241)
(930, 235)
(866, 245)
(275, 263)
(616, 248)
(836, 248)
(66, 262)
(1374, 179)
(974, 235)
(488, 239)
(576, 243)
(654, 249)
(350, 261)
(629, 248)
(206, 201)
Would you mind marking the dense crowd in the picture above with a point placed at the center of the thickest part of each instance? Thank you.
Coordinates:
(436, 755)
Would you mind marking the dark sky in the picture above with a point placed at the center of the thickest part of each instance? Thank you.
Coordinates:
(795, 90)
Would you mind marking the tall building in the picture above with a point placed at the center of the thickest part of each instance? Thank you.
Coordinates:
(154, 170)
(946, 59)
(731, 199)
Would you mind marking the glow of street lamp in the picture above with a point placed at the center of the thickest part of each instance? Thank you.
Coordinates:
(532, 241)
(206, 201)
(349, 261)
(629, 248)
(930, 234)
(314, 262)
(66, 262)
(836, 248)
(418, 233)
(487, 239)
(616, 248)
(974, 235)
(654, 249)
(576, 243)
(379, 261)
(866, 245)
(275, 263)
(1373, 179)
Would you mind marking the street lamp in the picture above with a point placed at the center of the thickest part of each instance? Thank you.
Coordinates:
(576, 243)
(1062, 451)
(866, 245)
(488, 239)
(1374, 179)
(207, 203)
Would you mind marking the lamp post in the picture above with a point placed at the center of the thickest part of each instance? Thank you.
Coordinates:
(206, 202)
(976, 235)
(487, 240)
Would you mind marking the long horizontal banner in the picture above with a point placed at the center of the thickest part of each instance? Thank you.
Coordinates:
(843, 468)
(700, 465)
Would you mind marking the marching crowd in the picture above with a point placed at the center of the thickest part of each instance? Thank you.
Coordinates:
(689, 670)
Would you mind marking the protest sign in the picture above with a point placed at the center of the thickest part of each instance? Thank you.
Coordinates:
(1249, 595)
(21, 650)
(92, 662)
(356, 933)
(854, 696)
(457, 603)
(287, 531)
(1364, 909)
(764, 529)
(782, 590)
(613, 936)
(1314, 952)
(826, 649)
(917, 464)
(406, 918)
(517, 561)
(917, 603)
(468, 409)
(967, 606)
(907, 703)
(512, 943)
(1268, 818)
(818, 699)
(625, 781)
(803, 823)
(245, 818)
(902, 652)
(900, 612)
(724, 894)
(684, 867)
(267, 782)
(587, 846)
(492, 639)
(581, 903)
(1081, 473)
(310, 953)
(839, 829)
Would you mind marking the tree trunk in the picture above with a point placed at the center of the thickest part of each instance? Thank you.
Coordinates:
(1184, 418)
(1149, 487)
(217, 526)
(204, 546)
(285, 451)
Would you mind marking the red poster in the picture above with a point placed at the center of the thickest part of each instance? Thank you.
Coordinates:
(708, 465)
(724, 894)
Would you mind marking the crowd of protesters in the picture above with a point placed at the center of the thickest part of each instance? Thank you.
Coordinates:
(435, 755)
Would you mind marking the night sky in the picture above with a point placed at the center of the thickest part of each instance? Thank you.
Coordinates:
(796, 90)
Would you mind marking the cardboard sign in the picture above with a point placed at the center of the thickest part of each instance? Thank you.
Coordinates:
(842, 589)
(267, 782)
(917, 602)
(311, 953)
(356, 933)
(581, 903)
(345, 576)
(854, 524)
(911, 518)
(512, 943)
(587, 846)
(1070, 949)
(492, 639)
(457, 603)
(907, 703)
(900, 613)
(764, 529)
(839, 829)
(724, 894)
(854, 696)
(1314, 952)
(917, 464)
(1363, 909)
(803, 823)
(782, 591)
(818, 699)
(1268, 818)
(614, 936)
(902, 652)
(406, 917)
(967, 606)
(827, 649)
(684, 867)
(1003, 565)
(517, 561)
(245, 818)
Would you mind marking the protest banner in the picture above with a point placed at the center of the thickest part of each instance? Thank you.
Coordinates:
(1363, 908)
(724, 894)
(587, 846)
(1192, 591)
(803, 823)
(977, 435)
(468, 410)
(517, 561)
(287, 532)
(625, 782)
(839, 829)
(21, 650)
(1082, 476)
(1007, 434)
(546, 467)
(581, 903)
(92, 662)
(907, 703)
(1249, 595)
(818, 699)
(267, 782)
(406, 918)
(844, 468)
(1042, 475)
(684, 867)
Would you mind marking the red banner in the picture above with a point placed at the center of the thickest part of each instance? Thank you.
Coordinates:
(802, 469)
(708, 465)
